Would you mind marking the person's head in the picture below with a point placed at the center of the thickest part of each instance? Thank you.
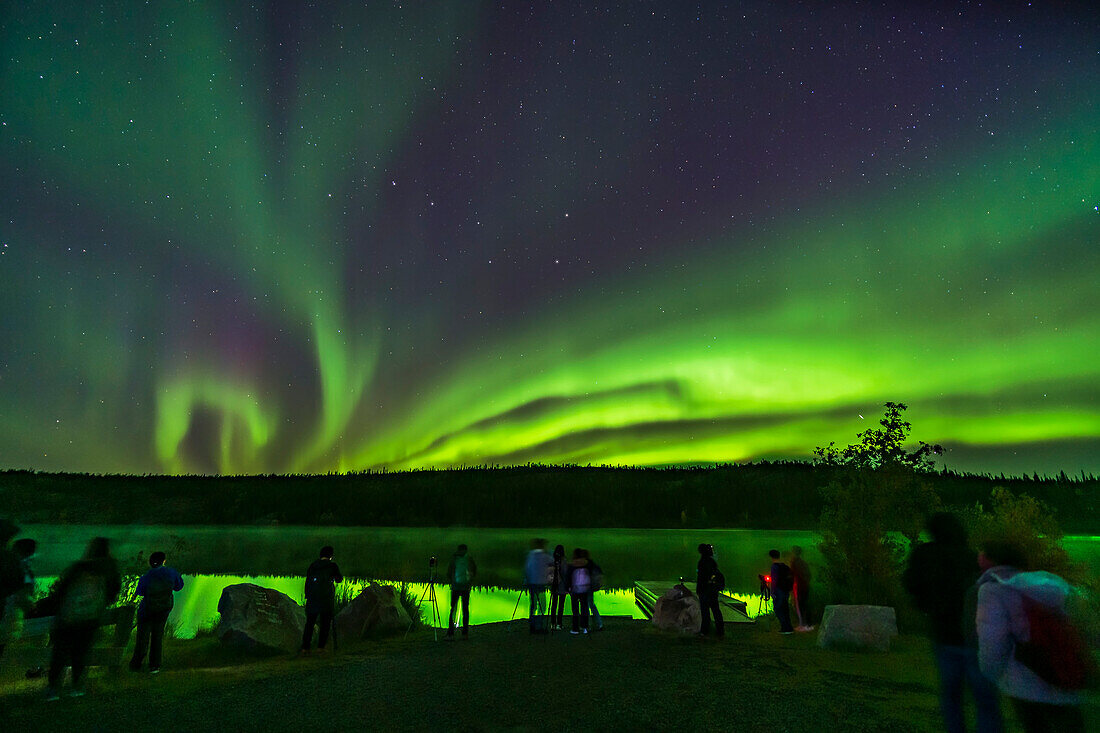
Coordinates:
(24, 547)
(796, 551)
(773, 554)
(945, 528)
(706, 550)
(461, 550)
(559, 551)
(1002, 552)
(8, 529)
(326, 552)
(99, 547)
(579, 552)
(538, 544)
(157, 559)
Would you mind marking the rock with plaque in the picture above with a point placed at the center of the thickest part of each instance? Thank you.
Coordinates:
(259, 618)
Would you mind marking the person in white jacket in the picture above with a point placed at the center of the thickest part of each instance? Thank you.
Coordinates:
(1002, 621)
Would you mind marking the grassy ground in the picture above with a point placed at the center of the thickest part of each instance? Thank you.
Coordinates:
(626, 677)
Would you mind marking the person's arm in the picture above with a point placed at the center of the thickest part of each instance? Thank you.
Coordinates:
(995, 641)
(143, 585)
(177, 581)
(336, 576)
(473, 569)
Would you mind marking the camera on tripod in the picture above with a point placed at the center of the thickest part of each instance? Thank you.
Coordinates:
(432, 562)
(765, 586)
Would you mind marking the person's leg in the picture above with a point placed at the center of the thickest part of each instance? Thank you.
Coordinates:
(326, 625)
(987, 698)
(307, 632)
(586, 601)
(574, 609)
(455, 595)
(141, 644)
(704, 613)
(82, 644)
(597, 622)
(719, 622)
(781, 603)
(951, 664)
(466, 611)
(156, 639)
(559, 617)
(59, 659)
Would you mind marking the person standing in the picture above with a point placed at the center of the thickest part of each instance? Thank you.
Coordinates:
(782, 580)
(84, 592)
(580, 590)
(536, 574)
(559, 588)
(460, 574)
(321, 579)
(800, 569)
(939, 577)
(595, 574)
(11, 582)
(708, 584)
(1004, 592)
(156, 589)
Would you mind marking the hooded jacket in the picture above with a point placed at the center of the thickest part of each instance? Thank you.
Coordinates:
(1001, 620)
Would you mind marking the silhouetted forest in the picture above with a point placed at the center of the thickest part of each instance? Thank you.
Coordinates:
(763, 495)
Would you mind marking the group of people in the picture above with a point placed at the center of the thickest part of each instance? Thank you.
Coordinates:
(782, 583)
(979, 609)
(577, 578)
(80, 604)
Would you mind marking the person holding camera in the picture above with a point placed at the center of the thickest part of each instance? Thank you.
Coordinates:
(782, 580)
(321, 580)
(709, 582)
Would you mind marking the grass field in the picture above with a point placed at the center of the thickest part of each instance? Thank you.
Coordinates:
(628, 677)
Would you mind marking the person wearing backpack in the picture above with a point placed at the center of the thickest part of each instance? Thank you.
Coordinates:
(322, 576)
(580, 590)
(84, 592)
(1015, 610)
(460, 574)
(155, 588)
(709, 582)
(559, 588)
(782, 580)
(940, 577)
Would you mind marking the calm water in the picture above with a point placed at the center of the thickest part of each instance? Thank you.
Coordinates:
(214, 557)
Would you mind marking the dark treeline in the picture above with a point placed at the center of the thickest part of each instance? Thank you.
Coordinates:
(763, 495)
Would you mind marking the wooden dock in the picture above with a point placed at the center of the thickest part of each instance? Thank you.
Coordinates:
(646, 593)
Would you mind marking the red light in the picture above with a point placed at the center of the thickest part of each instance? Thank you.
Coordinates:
(767, 578)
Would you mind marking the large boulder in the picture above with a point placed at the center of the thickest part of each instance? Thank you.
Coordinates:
(260, 618)
(376, 610)
(678, 610)
(860, 628)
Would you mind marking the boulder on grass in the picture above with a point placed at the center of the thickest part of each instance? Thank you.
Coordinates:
(260, 619)
(376, 610)
(678, 610)
(860, 628)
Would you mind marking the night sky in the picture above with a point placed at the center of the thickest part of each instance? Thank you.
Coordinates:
(289, 236)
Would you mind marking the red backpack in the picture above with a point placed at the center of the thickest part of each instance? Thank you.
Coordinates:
(1056, 650)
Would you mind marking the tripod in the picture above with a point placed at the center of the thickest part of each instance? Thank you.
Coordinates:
(535, 605)
(429, 595)
(764, 605)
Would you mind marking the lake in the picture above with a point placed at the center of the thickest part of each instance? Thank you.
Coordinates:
(212, 557)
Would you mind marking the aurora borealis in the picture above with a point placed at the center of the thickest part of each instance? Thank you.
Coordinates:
(283, 238)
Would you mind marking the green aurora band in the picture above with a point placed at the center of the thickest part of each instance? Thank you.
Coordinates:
(968, 291)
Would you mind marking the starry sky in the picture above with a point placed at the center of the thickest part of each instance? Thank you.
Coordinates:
(309, 237)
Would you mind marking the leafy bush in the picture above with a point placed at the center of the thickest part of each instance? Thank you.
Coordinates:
(874, 509)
